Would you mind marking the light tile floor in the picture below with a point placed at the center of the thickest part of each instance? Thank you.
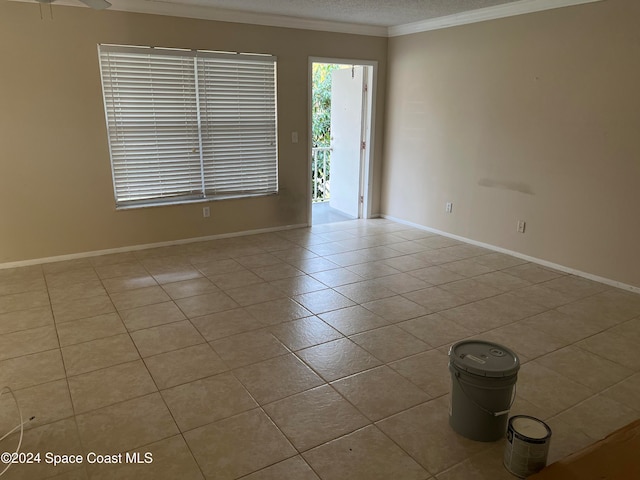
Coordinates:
(304, 354)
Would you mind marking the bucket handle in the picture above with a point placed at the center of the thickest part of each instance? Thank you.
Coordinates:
(493, 414)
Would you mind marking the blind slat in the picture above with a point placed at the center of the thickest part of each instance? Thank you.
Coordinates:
(186, 125)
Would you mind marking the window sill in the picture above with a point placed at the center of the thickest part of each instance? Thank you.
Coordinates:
(173, 203)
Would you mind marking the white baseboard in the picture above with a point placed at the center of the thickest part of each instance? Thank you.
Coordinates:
(132, 248)
(539, 261)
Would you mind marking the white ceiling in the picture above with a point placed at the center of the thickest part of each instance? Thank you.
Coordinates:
(367, 17)
(385, 13)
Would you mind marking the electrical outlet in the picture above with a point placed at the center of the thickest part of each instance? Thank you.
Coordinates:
(206, 212)
(448, 208)
(521, 225)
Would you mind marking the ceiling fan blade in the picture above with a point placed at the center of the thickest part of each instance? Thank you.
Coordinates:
(96, 4)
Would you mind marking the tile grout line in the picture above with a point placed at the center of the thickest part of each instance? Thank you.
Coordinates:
(384, 363)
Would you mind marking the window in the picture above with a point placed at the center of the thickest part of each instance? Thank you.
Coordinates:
(189, 125)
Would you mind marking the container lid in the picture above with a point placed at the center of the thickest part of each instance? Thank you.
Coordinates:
(484, 358)
(530, 427)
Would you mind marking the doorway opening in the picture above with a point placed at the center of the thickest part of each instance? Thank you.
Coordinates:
(341, 114)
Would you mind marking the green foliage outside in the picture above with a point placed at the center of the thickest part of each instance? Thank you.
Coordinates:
(321, 130)
(322, 103)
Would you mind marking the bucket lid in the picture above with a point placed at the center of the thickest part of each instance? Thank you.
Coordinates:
(484, 358)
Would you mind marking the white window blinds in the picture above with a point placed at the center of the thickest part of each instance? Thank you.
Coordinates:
(189, 125)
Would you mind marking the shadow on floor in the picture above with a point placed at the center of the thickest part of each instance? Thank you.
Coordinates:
(322, 213)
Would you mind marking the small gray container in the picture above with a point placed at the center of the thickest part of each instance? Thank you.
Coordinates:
(483, 379)
(527, 445)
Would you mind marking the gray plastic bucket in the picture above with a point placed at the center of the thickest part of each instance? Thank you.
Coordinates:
(483, 379)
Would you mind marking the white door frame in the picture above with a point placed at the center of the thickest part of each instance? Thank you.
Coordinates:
(369, 129)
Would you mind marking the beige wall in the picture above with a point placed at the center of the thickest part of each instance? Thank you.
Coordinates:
(535, 117)
(55, 180)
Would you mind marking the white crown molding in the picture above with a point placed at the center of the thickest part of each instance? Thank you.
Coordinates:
(154, 7)
(482, 14)
(167, 8)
